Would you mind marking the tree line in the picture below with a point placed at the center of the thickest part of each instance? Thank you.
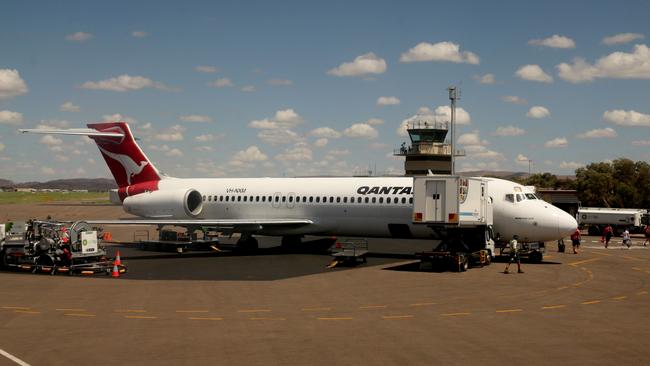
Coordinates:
(619, 183)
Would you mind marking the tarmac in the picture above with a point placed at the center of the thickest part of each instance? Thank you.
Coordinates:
(276, 308)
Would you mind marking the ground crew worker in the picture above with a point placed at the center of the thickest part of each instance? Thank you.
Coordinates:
(626, 238)
(514, 255)
(575, 240)
(608, 233)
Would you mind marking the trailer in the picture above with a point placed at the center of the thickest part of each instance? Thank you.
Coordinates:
(55, 247)
(595, 219)
(459, 213)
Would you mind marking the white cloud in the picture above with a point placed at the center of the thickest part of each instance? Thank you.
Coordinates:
(222, 83)
(442, 114)
(365, 64)
(622, 38)
(79, 37)
(388, 101)
(557, 142)
(375, 121)
(117, 117)
(174, 133)
(471, 138)
(509, 131)
(338, 152)
(514, 99)
(570, 165)
(279, 82)
(482, 152)
(533, 73)
(124, 83)
(288, 116)
(207, 137)
(617, 65)
(486, 79)
(69, 107)
(11, 118)
(47, 171)
(555, 41)
(322, 142)
(522, 159)
(50, 141)
(53, 124)
(279, 136)
(441, 51)
(139, 34)
(295, 154)
(467, 167)
(538, 112)
(598, 133)
(361, 130)
(174, 153)
(195, 118)
(204, 148)
(263, 124)
(325, 132)
(11, 84)
(248, 88)
(251, 154)
(641, 143)
(627, 118)
(206, 69)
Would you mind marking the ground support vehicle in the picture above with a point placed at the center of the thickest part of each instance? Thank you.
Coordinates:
(55, 247)
(459, 213)
(595, 219)
(179, 242)
(350, 252)
(532, 252)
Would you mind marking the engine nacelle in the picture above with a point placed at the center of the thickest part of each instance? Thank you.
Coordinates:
(177, 204)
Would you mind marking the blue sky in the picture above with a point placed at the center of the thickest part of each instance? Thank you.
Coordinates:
(258, 88)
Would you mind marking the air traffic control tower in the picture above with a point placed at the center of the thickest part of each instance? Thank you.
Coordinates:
(428, 149)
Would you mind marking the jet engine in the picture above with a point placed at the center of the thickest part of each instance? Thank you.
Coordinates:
(177, 204)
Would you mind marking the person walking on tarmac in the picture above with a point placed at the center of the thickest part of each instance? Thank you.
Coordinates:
(575, 240)
(514, 255)
(608, 232)
(626, 238)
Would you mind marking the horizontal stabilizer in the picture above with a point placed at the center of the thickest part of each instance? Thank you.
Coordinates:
(73, 131)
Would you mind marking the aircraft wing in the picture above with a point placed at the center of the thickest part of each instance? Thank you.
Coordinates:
(224, 223)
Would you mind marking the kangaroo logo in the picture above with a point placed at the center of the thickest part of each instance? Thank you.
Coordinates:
(131, 168)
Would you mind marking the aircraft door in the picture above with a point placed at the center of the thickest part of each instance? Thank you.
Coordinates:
(291, 198)
(277, 198)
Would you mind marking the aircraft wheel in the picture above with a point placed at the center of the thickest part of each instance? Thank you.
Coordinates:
(464, 263)
(535, 257)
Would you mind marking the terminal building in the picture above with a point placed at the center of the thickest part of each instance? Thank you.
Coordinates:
(428, 150)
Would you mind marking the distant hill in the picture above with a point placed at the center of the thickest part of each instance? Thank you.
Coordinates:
(95, 184)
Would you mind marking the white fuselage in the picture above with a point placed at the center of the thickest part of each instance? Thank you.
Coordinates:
(355, 206)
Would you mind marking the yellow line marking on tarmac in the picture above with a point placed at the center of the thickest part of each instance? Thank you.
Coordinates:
(140, 317)
(578, 284)
(509, 310)
(619, 298)
(205, 318)
(632, 258)
(396, 316)
(15, 308)
(563, 288)
(642, 292)
(423, 304)
(317, 309)
(336, 318)
(553, 307)
(27, 312)
(130, 311)
(74, 310)
(368, 307)
(80, 315)
(192, 311)
(637, 269)
(590, 302)
(266, 318)
(254, 311)
(455, 314)
(584, 261)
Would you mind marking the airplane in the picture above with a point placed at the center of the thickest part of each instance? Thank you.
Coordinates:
(295, 207)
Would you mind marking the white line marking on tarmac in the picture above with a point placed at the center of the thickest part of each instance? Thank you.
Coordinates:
(13, 358)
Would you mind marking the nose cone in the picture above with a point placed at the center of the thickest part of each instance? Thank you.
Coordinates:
(566, 224)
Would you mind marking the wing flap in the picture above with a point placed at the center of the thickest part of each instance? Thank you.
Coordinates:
(207, 222)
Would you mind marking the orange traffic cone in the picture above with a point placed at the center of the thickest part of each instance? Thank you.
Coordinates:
(116, 271)
(118, 260)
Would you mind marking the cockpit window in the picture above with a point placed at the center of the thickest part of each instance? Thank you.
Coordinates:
(520, 197)
(531, 196)
(510, 197)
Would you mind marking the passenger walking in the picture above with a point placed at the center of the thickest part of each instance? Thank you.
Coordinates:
(514, 255)
(626, 238)
(575, 240)
(647, 235)
(608, 232)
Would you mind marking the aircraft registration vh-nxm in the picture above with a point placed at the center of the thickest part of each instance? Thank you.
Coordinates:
(294, 207)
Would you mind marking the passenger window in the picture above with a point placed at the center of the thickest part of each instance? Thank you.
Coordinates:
(238, 198)
(366, 200)
(290, 198)
(220, 198)
(358, 199)
(311, 199)
(331, 199)
(374, 200)
(324, 199)
(226, 198)
(345, 200)
(203, 198)
(245, 198)
(338, 199)
(263, 198)
(403, 200)
(277, 198)
(510, 197)
(257, 198)
(284, 198)
(270, 198)
(209, 198)
(411, 200)
(381, 199)
(318, 199)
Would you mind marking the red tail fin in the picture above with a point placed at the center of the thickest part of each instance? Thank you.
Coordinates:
(124, 157)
